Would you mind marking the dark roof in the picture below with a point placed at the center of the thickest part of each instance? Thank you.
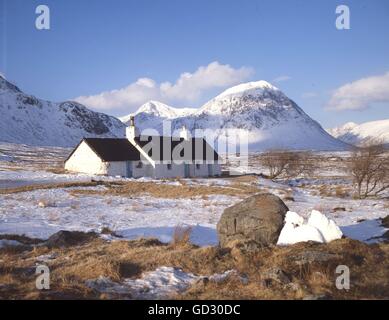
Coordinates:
(163, 147)
(112, 149)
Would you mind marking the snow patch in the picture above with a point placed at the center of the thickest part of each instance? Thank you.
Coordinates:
(318, 228)
(9, 243)
(254, 87)
(158, 284)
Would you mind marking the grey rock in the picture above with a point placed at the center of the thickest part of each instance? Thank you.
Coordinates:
(385, 222)
(277, 275)
(292, 286)
(258, 218)
(69, 238)
(309, 256)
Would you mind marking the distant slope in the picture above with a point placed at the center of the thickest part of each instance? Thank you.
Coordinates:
(151, 115)
(269, 118)
(29, 120)
(358, 134)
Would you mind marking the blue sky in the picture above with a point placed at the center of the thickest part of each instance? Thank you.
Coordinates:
(99, 46)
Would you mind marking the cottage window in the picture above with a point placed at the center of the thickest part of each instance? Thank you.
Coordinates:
(139, 165)
(169, 166)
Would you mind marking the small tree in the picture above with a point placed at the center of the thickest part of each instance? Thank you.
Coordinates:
(369, 168)
(287, 164)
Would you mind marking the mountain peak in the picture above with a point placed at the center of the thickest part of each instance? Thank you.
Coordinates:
(253, 88)
(358, 134)
(159, 109)
(349, 125)
(6, 85)
(152, 106)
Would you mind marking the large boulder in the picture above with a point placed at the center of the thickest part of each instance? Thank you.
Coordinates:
(65, 238)
(385, 222)
(257, 219)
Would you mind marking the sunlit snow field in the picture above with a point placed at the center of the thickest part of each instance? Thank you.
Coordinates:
(147, 216)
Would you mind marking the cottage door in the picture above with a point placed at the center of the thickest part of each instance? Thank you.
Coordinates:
(210, 171)
(129, 169)
(186, 167)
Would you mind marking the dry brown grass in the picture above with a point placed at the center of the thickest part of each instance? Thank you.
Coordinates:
(250, 179)
(181, 236)
(341, 192)
(49, 186)
(369, 266)
(57, 170)
(159, 190)
(325, 191)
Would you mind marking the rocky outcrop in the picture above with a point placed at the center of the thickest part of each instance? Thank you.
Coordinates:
(65, 238)
(258, 219)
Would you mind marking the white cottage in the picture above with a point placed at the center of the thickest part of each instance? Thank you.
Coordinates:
(145, 156)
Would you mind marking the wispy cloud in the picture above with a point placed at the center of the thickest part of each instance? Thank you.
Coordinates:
(187, 89)
(360, 94)
(282, 79)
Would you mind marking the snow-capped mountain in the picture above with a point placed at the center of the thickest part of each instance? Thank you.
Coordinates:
(151, 115)
(358, 134)
(29, 120)
(268, 118)
(161, 110)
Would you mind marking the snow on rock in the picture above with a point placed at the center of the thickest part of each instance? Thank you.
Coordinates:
(295, 231)
(158, 284)
(327, 227)
(318, 228)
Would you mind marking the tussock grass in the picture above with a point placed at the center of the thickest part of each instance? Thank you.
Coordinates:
(159, 190)
(369, 266)
(181, 236)
(49, 186)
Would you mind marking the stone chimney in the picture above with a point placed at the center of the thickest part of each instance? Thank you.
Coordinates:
(185, 134)
(131, 130)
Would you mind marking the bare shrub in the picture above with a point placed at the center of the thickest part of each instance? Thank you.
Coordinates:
(340, 192)
(287, 164)
(369, 168)
(181, 236)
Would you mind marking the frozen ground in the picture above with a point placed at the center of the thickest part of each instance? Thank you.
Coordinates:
(147, 216)
(128, 217)
(159, 284)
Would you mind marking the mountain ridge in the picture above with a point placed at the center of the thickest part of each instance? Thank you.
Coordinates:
(28, 120)
(269, 118)
(358, 134)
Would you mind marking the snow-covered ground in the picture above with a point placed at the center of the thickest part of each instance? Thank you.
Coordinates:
(147, 216)
(159, 284)
(130, 217)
